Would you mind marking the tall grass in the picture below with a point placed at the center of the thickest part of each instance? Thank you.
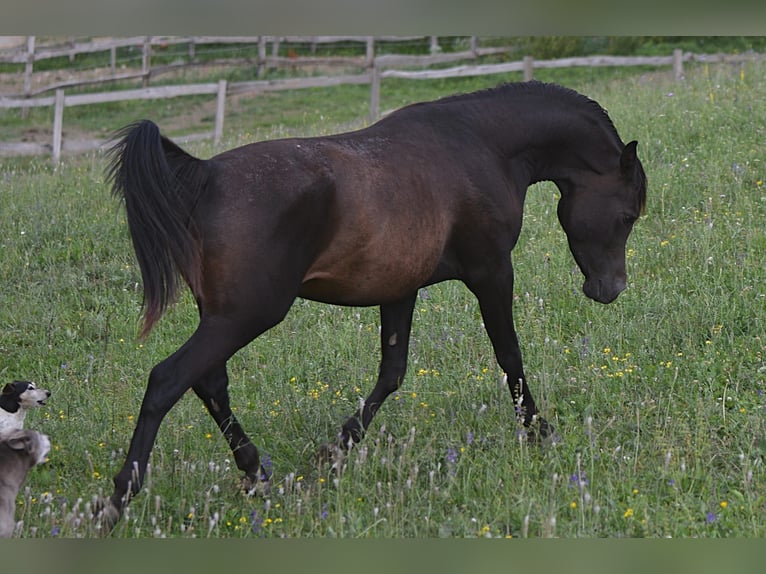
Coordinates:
(658, 397)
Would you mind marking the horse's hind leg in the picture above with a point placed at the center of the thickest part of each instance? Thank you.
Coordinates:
(202, 358)
(395, 325)
(213, 391)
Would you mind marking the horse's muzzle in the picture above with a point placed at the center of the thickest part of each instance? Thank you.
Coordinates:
(604, 291)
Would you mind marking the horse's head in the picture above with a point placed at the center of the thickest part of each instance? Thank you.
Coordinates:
(597, 212)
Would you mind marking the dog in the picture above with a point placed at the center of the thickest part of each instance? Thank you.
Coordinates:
(18, 397)
(20, 450)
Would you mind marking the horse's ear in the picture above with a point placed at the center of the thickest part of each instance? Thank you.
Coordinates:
(629, 159)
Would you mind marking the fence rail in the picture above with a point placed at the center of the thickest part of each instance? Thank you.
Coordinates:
(32, 52)
(381, 67)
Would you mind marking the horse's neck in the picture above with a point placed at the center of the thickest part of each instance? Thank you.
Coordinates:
(552, 142)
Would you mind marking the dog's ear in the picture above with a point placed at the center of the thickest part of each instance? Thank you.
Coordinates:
(8, 389)
(19, 440)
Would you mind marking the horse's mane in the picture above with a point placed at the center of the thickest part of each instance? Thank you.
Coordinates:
(552, 92)
(548, 90)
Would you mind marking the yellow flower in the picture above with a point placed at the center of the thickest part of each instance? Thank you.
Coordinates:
(724, 504)
(573, 505)
(628, 513)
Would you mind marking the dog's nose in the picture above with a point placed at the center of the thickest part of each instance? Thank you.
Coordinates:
(47, 393)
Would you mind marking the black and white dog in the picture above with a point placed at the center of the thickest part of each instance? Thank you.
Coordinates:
(20, 450)
(18, 397)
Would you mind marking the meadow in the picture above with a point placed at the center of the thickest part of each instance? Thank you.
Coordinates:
(658, 397)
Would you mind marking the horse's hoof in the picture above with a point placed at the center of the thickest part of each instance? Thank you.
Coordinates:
(105, 516)
(542, 433)
(332, 455)
(259, 485)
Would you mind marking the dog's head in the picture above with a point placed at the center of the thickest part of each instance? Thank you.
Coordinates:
(23, 394)
(29, 443)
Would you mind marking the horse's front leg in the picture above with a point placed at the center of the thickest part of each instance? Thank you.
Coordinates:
(495, 294)
(395, 326)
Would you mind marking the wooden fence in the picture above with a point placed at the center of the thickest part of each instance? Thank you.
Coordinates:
(32, 52)
(387, 66)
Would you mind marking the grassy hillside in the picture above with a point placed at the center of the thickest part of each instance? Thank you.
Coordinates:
(658, 397)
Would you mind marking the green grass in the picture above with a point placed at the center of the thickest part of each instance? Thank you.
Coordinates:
(658, 397)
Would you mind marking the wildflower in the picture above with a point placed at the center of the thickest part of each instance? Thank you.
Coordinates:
(628, 513)
(724, 504)
(578, 479)
(573, 505)
(710, 518)
(266, 464)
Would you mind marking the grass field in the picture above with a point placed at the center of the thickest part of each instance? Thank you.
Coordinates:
(658, 397)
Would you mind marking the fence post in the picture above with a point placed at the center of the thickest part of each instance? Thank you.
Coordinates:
(474, 46)
(113, 59)
(219, 112)
(58, 124)
(435, 48)
(261, 55)
(678, 64)
(370, 54)
(146, 60)
(529, 64)
(374, 92)
(28, 68)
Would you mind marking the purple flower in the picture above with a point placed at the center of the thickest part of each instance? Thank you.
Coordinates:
(710, 518)
(469, 438)
(324, 513)
(55, 531)
(578, 479)
(266, 466)
(256, 522)
(451, 455)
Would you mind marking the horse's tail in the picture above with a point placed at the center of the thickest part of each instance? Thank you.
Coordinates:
(160, 184)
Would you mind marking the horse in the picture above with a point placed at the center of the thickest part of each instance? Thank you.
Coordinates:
(433, 191)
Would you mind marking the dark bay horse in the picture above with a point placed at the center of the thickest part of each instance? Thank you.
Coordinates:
(434, 191)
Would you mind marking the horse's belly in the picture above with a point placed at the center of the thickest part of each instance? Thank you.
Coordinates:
(362, 281)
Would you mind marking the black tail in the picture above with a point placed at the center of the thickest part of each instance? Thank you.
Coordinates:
(160, 184)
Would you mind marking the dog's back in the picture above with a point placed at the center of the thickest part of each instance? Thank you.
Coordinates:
(20, 450)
